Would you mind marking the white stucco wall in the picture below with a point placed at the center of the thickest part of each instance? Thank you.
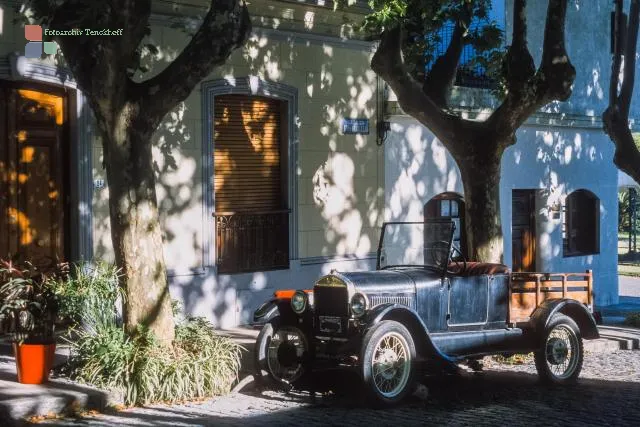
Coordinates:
(625, 180)
(553, 159)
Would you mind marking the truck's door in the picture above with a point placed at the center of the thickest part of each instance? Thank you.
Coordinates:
(468, 300)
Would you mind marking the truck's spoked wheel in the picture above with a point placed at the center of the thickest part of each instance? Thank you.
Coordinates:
(285, 352)
(560, 359)
(387, 362)
(391, 365)
(560, 351)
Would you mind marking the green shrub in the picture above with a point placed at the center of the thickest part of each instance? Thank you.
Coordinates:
(89, 295)
(633, 319)
(199, 364)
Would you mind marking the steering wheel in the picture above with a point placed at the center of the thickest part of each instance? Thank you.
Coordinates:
(441, 246)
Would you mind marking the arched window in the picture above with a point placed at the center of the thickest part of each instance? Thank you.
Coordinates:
(581, 224)
(449, 205)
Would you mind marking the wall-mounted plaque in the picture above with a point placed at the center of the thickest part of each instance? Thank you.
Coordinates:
(355, 126)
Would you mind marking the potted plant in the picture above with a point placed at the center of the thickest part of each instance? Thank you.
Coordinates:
(28, 313)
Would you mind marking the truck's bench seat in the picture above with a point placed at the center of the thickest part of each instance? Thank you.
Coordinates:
(478, 268)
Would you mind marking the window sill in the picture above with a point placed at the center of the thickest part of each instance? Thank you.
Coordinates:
(578, 254)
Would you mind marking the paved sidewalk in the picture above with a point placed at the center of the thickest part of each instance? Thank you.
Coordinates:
(19, 401)
(629, 291)
(629, 287)
(510, 395)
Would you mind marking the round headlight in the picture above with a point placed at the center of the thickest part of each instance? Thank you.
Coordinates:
(358, 305)
(299, 302)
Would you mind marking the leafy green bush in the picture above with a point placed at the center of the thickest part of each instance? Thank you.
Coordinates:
(199, 364)
(90, 295)
(633, 319)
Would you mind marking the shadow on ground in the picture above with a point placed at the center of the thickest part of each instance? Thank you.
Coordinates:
(489, 398)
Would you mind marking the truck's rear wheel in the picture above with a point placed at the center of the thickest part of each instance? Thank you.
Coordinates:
(559, 360)
(280, 352)
(388, 358)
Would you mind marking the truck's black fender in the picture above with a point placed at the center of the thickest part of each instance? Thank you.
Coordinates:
(272, 315)
(279, 310)
(412, 321)
(569, 307)
(266, 313)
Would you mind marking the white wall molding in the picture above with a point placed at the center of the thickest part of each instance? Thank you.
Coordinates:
(289, 36)
(337, 258)
(541, 119)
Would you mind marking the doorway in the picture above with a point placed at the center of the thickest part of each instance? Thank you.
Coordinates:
(523, 231)
(34, 178)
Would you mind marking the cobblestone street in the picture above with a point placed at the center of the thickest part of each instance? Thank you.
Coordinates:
(608, 393)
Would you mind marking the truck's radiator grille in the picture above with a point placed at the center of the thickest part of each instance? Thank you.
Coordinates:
(331, 301)
(407, 300)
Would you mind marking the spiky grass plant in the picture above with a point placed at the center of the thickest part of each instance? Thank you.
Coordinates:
(199, 364)
(90, 295)
(633, 319)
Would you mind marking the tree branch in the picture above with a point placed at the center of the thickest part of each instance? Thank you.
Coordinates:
(388, 63)
(519, 65)
(556, 73)
(96, 61)
(553, 79)
(225, 27)
(617, 54)
(626, 91)
(626, 156)
(443, 73)
(616, 116)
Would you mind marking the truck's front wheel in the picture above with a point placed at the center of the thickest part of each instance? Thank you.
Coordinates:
(388, 358)
(559, 360)
(280, 351)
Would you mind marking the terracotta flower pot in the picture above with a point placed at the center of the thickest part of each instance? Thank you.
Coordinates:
(33, 362)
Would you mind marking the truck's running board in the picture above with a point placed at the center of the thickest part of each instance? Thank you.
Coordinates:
(477, 342)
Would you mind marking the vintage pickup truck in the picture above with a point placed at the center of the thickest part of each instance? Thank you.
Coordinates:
(424, 307)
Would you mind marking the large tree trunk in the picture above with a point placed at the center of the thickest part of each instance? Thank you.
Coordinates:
(481, 182)
(135, 226)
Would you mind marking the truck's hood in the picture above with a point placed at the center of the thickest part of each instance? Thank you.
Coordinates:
(395, 280)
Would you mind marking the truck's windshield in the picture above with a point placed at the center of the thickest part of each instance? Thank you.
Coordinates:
(416, 244)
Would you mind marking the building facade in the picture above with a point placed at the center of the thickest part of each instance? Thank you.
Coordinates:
(261, 186)
(558, 189)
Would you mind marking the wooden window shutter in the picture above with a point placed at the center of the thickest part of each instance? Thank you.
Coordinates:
(248, 154)
(250, 168)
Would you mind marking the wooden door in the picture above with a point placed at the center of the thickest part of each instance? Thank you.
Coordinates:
(523, 232)
(32, 174)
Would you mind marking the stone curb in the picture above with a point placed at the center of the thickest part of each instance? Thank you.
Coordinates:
(58, 396)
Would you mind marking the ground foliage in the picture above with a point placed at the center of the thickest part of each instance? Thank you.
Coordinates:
(199, 364)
